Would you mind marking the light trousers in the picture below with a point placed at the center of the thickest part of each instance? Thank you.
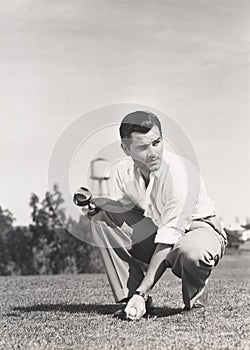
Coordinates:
(126, 241)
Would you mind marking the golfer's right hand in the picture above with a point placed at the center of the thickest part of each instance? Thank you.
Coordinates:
(139, 305)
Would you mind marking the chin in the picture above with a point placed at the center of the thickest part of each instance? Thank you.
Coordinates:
(154, 167)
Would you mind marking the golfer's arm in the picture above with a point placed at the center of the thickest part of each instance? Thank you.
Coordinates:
(156, 268)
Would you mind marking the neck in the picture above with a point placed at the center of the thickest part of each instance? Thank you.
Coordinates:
(145, 176)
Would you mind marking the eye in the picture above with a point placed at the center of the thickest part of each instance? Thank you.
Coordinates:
(141, 148)
(155, 143)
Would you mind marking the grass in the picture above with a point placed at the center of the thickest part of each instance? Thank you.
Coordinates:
(75, 312)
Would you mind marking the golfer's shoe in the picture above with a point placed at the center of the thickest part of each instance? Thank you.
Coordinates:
(121, 314)
(196, 305)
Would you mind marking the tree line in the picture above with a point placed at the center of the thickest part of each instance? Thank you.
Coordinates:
(48, 245)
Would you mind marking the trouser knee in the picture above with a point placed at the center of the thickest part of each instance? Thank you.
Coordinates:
(192, 259)
(197, 261)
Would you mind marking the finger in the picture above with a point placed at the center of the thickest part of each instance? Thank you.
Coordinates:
(130, 317)
(132, 311)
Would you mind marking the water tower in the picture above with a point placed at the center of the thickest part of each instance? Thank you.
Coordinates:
(99, 174)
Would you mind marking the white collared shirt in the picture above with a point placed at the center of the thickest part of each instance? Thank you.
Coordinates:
(175, 195)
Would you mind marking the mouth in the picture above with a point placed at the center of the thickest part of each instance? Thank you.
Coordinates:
(154, 160)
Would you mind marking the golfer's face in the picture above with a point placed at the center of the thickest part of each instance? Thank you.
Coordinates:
(146, 149)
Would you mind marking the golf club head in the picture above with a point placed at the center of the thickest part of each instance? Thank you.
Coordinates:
(83, 198)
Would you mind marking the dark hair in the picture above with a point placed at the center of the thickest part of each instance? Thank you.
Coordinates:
(139, 121)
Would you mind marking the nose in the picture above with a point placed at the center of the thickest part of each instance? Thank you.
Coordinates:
(151, 152)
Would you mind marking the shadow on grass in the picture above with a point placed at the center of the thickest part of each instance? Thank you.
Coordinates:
(165, 311)
(103, 309)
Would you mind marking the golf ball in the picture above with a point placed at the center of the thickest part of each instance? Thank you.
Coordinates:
(132, 311)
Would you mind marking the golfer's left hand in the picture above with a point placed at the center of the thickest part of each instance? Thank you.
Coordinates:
(139, 304)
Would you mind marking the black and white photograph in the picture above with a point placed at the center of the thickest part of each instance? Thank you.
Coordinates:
(125, 167)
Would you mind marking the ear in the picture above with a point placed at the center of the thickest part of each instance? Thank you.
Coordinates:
(125, 149)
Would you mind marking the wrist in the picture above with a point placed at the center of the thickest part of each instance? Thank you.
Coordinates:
(141, 294)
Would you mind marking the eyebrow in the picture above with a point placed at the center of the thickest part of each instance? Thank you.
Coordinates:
(156, 140)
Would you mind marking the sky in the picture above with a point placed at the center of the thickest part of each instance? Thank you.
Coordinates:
(186, 58)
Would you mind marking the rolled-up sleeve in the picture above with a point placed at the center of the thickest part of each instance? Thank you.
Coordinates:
(168, 235)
